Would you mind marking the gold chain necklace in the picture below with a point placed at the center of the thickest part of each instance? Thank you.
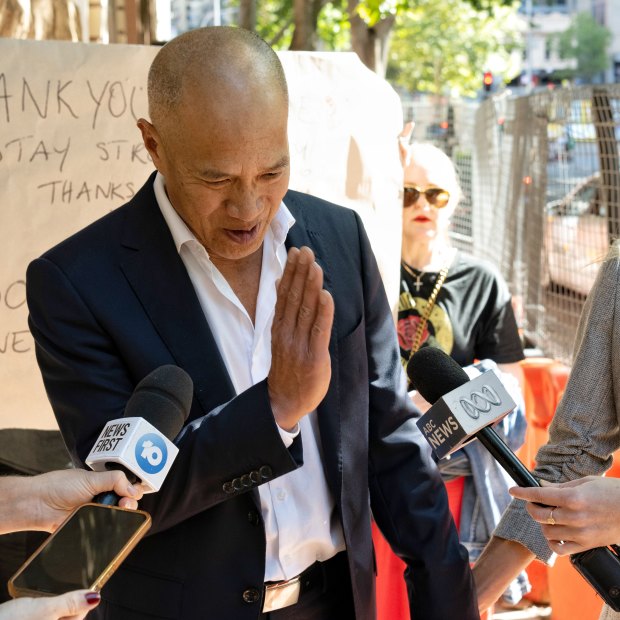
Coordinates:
(430, 304)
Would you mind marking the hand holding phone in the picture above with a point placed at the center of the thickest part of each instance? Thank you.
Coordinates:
(75, 605)
(82, 553)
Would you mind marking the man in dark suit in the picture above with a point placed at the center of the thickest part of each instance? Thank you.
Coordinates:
(272, 302)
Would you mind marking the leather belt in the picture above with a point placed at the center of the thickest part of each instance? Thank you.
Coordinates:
(280, 594)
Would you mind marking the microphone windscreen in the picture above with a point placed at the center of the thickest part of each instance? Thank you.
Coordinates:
(163, 398)
(434, 373)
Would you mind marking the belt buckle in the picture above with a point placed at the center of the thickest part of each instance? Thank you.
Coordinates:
(281, 594)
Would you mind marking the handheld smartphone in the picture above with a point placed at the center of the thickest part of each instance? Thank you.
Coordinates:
(82, 553)
(600, 567)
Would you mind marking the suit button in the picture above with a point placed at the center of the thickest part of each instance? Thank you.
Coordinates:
(255, 476)
(253, 517)
(251, 595)
(265, 472)
(237, 486)
(227, 487)
(246, 481)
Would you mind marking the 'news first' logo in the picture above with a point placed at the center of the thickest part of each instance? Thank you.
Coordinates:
(137, 445)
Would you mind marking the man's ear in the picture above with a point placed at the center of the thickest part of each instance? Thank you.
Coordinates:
(152, 142)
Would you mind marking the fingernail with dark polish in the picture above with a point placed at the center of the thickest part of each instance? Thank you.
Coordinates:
(92, 598)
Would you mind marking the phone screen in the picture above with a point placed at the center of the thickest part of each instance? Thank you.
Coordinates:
(83, 552)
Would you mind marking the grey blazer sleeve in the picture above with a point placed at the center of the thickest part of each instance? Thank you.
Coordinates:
(584, 432)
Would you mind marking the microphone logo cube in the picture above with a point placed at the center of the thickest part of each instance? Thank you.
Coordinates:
(137, 445)
(455, 418)
(151, 453)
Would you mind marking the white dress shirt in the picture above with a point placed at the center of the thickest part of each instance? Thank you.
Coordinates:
(301, 525)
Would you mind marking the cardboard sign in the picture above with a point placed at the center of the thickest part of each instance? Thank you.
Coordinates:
(70, 152)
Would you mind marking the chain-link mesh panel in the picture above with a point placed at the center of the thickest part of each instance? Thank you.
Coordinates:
(541, 182)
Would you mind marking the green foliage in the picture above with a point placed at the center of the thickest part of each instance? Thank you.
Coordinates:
(437, 46)
(274, 22)
(586, 41)
(444, 47)
(372, 11)
(489, 6)
(334, 27)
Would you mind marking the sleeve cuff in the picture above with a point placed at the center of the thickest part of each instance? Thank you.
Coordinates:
(288, 436)
(516, 524)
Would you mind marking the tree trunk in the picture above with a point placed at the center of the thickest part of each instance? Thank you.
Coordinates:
(306, 13)
(40, 19)
(371, 43)
(247, 14)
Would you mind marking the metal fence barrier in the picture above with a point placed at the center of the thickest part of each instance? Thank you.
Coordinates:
(541, 180)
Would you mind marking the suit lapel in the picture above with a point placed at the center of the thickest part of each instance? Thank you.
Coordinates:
(305, 232)
(158, 277)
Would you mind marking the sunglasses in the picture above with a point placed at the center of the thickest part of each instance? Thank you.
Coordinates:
(434, 195)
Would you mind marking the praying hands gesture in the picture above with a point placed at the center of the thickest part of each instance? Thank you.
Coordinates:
(300, 363)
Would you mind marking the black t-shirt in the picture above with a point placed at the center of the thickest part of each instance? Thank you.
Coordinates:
(472, 319)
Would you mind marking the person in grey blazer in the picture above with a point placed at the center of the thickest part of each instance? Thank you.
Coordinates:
(272, 302)
(584, 434)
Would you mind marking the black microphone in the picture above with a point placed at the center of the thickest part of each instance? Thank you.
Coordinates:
(140, 443)
(463, 409)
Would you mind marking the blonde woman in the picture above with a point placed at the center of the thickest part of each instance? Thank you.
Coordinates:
(452, 300)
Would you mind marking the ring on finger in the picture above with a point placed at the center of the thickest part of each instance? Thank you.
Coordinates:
(550, 519)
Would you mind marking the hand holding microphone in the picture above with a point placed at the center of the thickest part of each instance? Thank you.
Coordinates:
(585, 513)
(140, 443)
(48, 499)
(463, 410)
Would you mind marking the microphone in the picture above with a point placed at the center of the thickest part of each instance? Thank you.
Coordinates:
(140, 443)
(463, 409)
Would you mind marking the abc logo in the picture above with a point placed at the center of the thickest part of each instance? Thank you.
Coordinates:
(151, 453)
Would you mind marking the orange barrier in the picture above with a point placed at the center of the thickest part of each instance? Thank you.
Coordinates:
(545, 381)
(392, 600)
(571, 596)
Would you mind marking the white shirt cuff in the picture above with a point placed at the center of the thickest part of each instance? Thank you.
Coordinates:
(288, 436)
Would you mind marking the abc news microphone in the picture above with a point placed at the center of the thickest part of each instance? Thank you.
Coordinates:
(140, 443)
(462, 410)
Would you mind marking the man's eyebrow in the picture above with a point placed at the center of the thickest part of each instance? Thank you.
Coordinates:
(214, 173)
(284, 161)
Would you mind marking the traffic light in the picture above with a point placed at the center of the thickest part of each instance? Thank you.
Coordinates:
(487, 81)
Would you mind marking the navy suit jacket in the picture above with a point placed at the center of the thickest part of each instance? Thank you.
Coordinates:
(114, 301)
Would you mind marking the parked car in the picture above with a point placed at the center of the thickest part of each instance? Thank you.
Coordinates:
(576, 238)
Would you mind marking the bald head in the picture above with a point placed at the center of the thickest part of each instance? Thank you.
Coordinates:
(220, 62)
